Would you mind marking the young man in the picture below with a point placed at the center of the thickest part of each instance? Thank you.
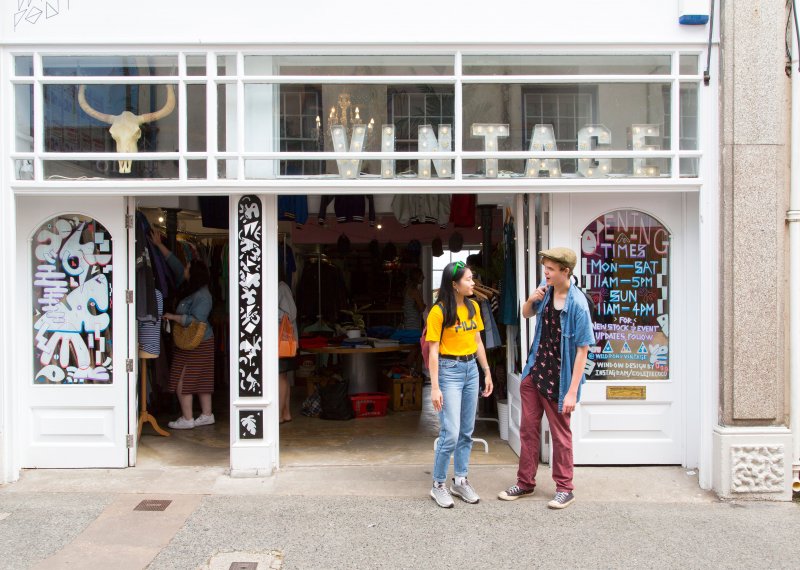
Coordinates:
(553, 374)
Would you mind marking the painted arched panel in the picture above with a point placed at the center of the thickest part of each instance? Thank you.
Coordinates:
(71, 310)
(625, 265)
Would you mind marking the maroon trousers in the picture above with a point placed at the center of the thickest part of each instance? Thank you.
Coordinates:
(533, 405)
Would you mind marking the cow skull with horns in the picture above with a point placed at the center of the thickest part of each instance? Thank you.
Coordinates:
(125, 127)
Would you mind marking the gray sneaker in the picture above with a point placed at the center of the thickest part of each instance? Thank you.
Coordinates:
(441, 495)
(465, 492)
(561, 500)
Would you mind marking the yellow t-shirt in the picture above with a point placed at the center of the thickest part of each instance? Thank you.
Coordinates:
(459, 339)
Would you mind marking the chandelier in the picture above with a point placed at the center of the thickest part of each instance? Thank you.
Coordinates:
(347, 117)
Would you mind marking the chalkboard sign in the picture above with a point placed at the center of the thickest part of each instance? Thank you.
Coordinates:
(625, 268)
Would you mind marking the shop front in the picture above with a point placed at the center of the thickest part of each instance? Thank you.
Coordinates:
(461, 148)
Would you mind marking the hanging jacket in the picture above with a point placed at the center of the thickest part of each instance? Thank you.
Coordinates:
(422, 209)
(509, 306)
(348, 208)
(293, 209)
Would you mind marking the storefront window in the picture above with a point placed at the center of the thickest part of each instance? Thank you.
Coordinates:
(71, 310)
(397, 65)
(625, 260)
(351, 119)
(569, 117)
(102, 66)
(23, 66)
(566, 64)
(127, 118)
(282, 110)
(688, 64)
(23, 133)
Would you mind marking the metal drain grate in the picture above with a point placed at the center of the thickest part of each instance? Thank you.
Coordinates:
(244, 566)
(152, 505)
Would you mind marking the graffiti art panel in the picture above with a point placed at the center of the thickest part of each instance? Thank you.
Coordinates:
(250, 325)
(72, 302)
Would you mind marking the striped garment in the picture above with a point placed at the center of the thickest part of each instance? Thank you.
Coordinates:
(197, 368)
(150, 331)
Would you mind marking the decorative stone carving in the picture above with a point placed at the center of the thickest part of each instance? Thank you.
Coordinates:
(757, 468)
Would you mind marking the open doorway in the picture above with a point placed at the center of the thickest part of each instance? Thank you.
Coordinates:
(354, 277)
(182, 279)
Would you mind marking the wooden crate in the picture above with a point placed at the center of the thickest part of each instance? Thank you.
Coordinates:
(405, 393)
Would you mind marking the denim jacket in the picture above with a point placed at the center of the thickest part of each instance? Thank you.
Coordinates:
(195, 307)
(576, 330)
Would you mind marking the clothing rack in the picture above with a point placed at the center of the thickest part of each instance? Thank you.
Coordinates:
(319, 325)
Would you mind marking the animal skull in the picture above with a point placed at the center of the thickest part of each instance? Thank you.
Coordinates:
(125, 127)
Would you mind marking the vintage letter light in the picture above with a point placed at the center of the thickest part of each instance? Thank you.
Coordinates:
(543, 139)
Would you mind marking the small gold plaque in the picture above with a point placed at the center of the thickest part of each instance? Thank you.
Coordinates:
(626, 392)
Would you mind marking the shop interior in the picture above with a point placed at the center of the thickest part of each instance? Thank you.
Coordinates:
(352, 264)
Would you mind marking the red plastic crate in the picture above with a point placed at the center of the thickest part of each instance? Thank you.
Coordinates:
(369, 404)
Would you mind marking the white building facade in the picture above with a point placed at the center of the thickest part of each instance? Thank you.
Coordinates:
(601, 113)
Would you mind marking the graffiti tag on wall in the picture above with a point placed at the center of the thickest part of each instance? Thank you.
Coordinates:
(72, 302)
(625, 268)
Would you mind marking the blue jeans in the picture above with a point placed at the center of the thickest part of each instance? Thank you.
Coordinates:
(458, 382)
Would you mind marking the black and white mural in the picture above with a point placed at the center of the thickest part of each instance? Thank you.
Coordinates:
(251, 424)
(251, 331)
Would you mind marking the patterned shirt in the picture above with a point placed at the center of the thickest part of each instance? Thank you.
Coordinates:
(547, 370)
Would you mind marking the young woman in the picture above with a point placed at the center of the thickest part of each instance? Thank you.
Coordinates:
(191, 371)
(454, 327)
(286, 306)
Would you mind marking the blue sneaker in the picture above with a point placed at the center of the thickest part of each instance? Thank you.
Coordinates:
(561, 500)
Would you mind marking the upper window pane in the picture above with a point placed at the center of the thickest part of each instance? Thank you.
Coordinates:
(354, 65)
(23, 65)
(566, 65)
(159, 65)
(688, 64)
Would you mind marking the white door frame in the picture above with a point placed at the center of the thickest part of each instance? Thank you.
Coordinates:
(115, 393)
(685, 340)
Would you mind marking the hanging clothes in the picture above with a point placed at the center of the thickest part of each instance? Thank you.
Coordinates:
(287, 261)
(293, 209)
(422, 209)
(150, 331)
(164, 280)
(347, 208)
(508, 289)
(146, 305)
(490, 333)
(462, 210)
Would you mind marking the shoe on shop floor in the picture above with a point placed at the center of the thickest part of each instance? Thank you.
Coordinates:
(465, 492)
(441, 495)
(561, 500)
(514, 492)
(181, 423)
(204, 420)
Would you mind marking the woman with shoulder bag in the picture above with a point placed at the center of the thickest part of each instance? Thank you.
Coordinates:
(454, 333)
(192, 369)
(287, 308)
